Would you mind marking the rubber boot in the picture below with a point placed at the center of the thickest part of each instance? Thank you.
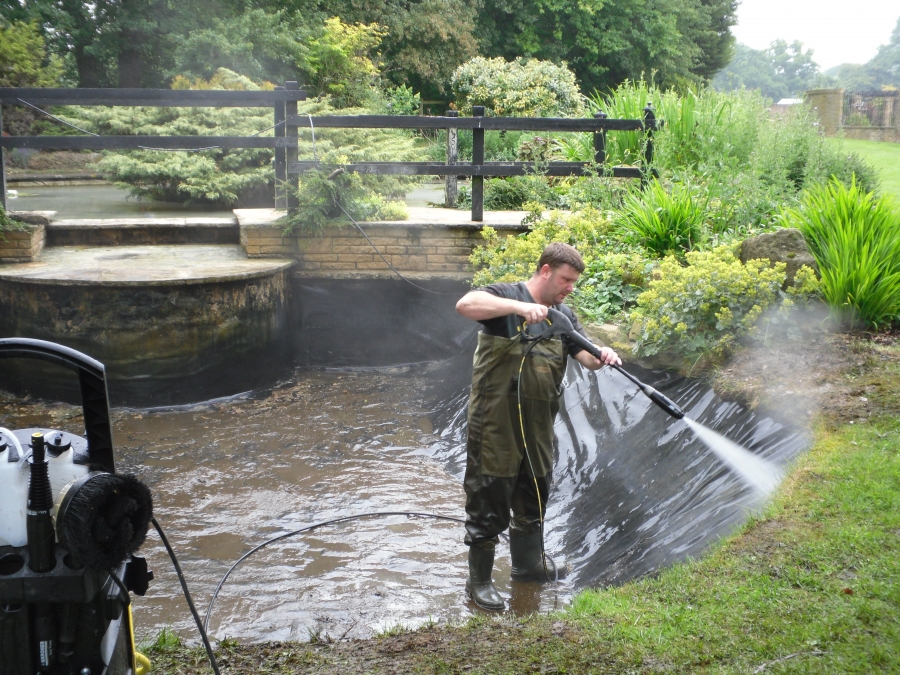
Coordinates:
(527, 565)
(479, 585)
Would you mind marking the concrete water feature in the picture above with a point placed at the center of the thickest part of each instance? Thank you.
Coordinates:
(169, 321)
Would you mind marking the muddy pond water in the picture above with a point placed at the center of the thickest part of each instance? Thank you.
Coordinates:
(633, 491)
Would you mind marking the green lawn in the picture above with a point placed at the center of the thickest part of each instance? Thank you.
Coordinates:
(883, 156)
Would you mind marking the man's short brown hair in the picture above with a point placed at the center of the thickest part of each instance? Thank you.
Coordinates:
(558, 254)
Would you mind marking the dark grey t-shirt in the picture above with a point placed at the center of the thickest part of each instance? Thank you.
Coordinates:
(509, 326)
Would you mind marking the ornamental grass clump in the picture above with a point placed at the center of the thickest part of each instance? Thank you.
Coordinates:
(855, 238)
(704, 306)
(664, 222)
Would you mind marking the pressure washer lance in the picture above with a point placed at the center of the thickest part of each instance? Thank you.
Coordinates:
(561, 325)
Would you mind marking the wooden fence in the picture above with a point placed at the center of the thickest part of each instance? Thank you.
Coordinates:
(286, 124)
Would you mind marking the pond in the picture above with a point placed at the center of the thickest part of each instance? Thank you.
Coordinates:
(633, 491)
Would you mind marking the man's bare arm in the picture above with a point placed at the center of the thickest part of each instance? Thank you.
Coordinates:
(588, 360)
(481, 305)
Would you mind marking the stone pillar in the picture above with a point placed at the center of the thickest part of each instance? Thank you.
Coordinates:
(829, 104)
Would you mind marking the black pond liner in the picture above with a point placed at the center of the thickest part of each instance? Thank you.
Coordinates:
(633, 489)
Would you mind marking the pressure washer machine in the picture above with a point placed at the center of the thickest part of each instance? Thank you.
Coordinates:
(69, 528)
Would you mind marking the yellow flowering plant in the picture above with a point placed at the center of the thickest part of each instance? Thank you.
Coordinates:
(709, 302)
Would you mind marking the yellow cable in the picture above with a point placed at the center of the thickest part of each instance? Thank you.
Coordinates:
(537, 489)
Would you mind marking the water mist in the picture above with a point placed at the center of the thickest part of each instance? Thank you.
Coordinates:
(755, 471)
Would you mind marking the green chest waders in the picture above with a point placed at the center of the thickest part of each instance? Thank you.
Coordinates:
(499, 477)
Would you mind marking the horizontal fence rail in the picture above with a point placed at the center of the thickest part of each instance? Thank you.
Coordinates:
(136, 142)
(485, 123)
(155, 98)
(488, 169)
(288, 124)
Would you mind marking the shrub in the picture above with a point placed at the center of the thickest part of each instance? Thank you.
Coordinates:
(705, 305)
(855, 239)
(664, 222)
(524, 88)
(609, 285)
(24, 62)
(403, 100)
(323, 197)
(514, 257)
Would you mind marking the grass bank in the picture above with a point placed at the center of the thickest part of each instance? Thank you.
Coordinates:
(812, 585)
(883, 156)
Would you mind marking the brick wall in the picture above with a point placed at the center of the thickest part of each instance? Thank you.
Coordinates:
(411, 246)
(829, 105)
(25, 244)
(409, 249)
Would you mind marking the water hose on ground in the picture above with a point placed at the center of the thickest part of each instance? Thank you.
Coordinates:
(310, 528)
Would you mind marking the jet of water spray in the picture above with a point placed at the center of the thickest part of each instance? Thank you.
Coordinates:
(755, 471)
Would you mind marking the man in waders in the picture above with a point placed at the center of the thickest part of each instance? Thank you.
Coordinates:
(504, 474)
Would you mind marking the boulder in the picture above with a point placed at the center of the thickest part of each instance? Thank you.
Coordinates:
(787, 246)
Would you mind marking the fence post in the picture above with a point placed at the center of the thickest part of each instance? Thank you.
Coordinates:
(280, 161)
(649, 128)
(450, 182)
(600, 143)
(2, 166)
(290, 108)
(477, 159)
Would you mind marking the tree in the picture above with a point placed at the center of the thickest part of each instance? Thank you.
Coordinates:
(607, 42)
(257, 44)
(424, 40)
(780, 71)
(882, 71)
(126, 43)
(24, 62)
(342, 62)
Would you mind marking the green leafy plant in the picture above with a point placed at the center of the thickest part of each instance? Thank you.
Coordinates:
(522, 87)
(703, 306)
(855, 238)
(324, 198)
(664, 221)
(609, 285)
(229, 177)
(343, 62)
(403, 100)
(514, 257)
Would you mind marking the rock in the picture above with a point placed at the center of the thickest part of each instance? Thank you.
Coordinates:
(787, 246)
(606, 334)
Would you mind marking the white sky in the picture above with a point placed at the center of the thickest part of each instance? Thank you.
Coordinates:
(837, 31)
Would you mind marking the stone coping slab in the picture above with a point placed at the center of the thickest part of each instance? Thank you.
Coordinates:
(419, 217)
(160, 265)
(141, 223)
(32, 217)
(379, 274)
